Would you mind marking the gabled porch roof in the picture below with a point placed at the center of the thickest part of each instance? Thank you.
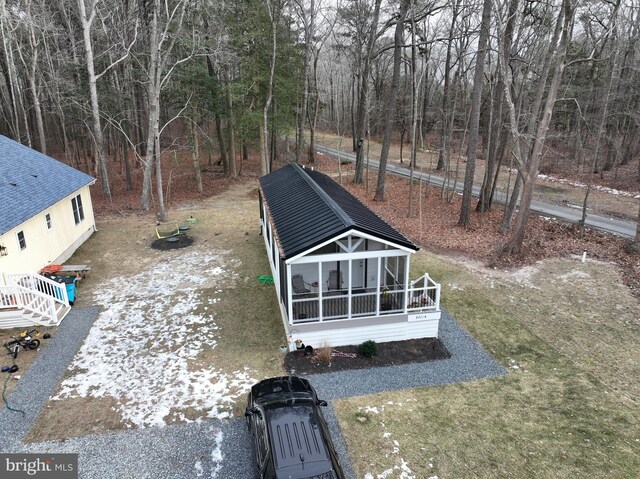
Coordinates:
(308, 208)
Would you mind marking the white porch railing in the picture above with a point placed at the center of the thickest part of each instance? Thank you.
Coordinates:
(36, 302)
(37, 283)
(8, 298)
(423, 294)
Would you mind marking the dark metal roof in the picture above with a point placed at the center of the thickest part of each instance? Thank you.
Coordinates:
(31, 182)
(308, 208)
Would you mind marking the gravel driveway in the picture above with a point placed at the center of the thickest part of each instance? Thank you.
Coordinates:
(217, 448)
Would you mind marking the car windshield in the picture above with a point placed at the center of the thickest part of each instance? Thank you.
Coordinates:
(291, 399)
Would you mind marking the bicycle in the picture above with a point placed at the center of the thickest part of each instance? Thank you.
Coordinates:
(25, 341)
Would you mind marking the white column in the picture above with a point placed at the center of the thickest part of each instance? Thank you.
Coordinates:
(349, 286)
(320, 314)
(378, 289)
(406, 282)
(289, 296)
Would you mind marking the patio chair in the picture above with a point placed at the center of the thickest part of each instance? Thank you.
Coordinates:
(298, 284)
(335, 281)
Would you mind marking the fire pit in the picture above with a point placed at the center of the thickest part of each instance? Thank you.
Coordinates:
(172, 242)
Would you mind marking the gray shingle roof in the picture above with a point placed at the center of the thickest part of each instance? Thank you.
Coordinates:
(31, 182)
(309, 208)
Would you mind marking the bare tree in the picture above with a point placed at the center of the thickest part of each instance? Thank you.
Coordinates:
(474, 119)
(165, 24)
(398, 41)
(264, 127)
(88, 14)
(530, 169)
(361, 109)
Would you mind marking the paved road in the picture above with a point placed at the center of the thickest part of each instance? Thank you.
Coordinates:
(623, 228)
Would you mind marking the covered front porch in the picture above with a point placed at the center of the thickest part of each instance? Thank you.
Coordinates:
(356, 277)
(422, 295)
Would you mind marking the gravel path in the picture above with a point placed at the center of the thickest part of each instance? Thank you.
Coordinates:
(212, 449)
(468, 362)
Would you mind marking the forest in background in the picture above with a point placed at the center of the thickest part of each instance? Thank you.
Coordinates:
(118, 86)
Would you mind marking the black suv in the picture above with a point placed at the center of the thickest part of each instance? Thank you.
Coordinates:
(289, 432)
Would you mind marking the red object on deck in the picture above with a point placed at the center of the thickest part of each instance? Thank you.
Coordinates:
(51, 268)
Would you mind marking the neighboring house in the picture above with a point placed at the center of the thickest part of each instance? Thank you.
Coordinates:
(341, 272)
(45, 215)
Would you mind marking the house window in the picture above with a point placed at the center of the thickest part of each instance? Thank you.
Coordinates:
(78, 212)
(21, 241)
(47, 219)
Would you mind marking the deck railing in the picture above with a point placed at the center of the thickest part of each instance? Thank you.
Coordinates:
(423, 294)
(8, 298)
(36, 302)
(38, 283)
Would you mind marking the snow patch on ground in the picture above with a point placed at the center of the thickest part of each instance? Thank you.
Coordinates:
(604, 189)
(513, 364)
(216, 455)
(142, 351)
(524, 276)
(198, 468)
(401, 469)
(573, 275)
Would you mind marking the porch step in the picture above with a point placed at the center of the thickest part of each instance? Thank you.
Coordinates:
(61, 312)
(17, 318)
(14, 318)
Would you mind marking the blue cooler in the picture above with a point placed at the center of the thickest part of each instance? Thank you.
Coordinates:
(70, 285)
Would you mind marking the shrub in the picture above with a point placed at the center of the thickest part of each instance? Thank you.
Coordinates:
(368, 348)
(323, 354)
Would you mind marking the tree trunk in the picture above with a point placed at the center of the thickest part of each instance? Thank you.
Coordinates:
(522, 155)
(414, 108)
(264, 130)
(489, 184)
(514, 244)
(474, 119)
(603, 123)
(393, 96)
(195, 154)
(93, 93)
(9, 70)
(154, 107)
(362, 112)
(221, 145)
(446, 125)
(231, 157)
(635, 245)
(162, 214)
(308, 36)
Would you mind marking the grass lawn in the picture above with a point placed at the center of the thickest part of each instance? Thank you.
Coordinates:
(183, 334)
(568, 332)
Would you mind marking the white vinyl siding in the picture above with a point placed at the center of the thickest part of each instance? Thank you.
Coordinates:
(348, 332)
(48, 246)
